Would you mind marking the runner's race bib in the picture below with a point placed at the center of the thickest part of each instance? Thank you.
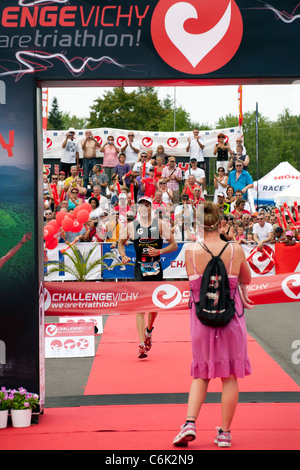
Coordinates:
(150, 269)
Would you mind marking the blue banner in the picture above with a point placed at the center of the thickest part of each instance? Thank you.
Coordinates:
(115, 271)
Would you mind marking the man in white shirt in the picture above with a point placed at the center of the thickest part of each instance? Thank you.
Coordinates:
(70, 153)
(195, 147)
(138, 167)
(262, 231)
(131, 150)
(197, 172)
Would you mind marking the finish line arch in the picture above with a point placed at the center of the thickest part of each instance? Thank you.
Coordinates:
(83, 43)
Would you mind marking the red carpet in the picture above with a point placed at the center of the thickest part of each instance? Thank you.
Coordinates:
(116, 368)
(153, 427)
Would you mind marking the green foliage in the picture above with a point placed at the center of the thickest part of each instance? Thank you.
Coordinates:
(137, 110)
(81, 266)
(22, 400)
(55, 119)
(16, 220)
(73, 121)
(278, 141)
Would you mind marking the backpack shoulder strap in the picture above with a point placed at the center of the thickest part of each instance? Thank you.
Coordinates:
(223, 249)
(206, 249)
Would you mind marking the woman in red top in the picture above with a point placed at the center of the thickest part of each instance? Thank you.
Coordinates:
(240, 209)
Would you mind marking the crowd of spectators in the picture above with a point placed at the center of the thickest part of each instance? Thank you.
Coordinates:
(114, 188)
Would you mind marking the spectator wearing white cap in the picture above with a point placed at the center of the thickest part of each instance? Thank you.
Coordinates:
(70, 153)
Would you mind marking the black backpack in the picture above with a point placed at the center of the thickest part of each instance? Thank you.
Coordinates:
(215, 308)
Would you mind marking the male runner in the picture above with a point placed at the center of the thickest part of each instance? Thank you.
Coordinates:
(147, 235)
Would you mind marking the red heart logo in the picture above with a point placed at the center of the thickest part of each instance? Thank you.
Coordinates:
(258, 261)
(294, 287)
(172, 142)
(121, 140)
(196, 36)
(147, 142)
(166, 302)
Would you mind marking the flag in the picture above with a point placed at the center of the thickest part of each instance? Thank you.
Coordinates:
(240, 92)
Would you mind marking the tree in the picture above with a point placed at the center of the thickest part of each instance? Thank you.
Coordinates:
(55, 119)
(137, 110)
(73, 121)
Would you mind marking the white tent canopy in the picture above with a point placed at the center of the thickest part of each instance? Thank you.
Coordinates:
(275, 182)
(289, 195)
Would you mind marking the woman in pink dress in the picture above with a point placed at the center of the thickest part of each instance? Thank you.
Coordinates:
(217, 352)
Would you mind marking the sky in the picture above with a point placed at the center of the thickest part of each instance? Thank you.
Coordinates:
(204, 104)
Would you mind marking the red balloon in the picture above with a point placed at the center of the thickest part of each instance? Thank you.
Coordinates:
(67, 224)
(49, 232)
(54, 224)
(83, 216)
(86, 206)
(77, 226)
(60, 217)
(51, 244)
(76, 210)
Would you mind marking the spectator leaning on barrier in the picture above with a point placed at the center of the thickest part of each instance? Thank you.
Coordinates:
(262, 231)
(240, 179)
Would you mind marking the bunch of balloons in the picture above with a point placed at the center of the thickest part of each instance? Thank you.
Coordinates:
(67, 222)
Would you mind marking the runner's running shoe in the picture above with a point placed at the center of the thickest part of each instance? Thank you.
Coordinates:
(142, 352)
(187, 434)
(148, 340)
(223, 439)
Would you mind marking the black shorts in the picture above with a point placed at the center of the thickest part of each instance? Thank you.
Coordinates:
(139, 277)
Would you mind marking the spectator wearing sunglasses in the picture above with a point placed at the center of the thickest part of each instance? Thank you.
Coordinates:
(240, 179)
(262, 231)
(131, 149)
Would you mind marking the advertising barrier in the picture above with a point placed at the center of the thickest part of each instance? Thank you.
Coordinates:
(170, 297)
(272, 260)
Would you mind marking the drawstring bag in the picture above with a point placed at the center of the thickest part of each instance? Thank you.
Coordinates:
(215, 308)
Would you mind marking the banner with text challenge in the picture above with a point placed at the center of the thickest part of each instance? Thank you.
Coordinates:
(138, 39)
(90, 298)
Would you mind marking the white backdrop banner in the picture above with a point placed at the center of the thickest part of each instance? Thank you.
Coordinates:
(174, 143)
